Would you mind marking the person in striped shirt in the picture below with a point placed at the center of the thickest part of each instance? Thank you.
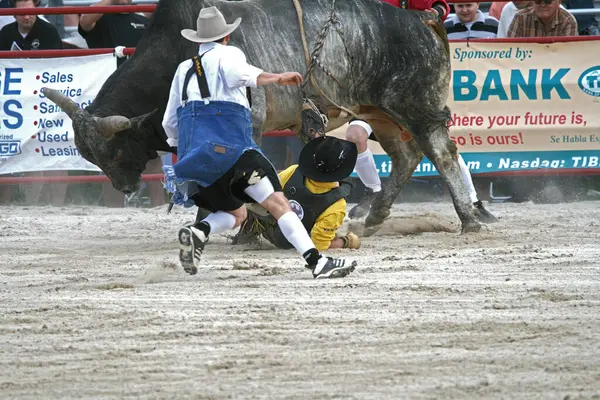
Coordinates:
(470, 23)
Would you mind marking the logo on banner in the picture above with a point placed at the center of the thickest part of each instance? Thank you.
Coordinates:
(297, 208)
(10, 147)
(589, 81)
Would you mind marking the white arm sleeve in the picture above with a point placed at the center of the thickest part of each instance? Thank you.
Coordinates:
(169, 122)
(236, 71)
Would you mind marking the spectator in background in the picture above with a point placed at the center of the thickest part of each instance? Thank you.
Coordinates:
(112, 30)
(29, 32)
(60, 22)
(508, 13)
(470, 23)
(496, 9)
(545, 18)
(9, 19)
(586, 24)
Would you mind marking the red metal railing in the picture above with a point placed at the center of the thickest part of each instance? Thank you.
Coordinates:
(77, 10)
(60, 53)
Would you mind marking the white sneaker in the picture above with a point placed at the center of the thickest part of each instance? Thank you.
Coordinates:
(328, 267)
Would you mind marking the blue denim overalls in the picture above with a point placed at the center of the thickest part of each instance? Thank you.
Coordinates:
(212, 137)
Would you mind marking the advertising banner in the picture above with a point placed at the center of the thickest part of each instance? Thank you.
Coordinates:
(35, 134)
(515, 107)
(521, 106)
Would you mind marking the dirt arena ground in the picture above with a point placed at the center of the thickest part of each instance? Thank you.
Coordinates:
(94, 305)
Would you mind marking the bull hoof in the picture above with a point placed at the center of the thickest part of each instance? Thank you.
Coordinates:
(370, 230)
(374, 221)
(484, 215)
(471, 227)
(357, 212)
(376, 218)
(363, 206)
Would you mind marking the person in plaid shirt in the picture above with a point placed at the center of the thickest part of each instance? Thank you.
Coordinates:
(545, 18)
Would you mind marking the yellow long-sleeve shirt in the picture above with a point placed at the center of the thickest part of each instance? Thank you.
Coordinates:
(327, 224)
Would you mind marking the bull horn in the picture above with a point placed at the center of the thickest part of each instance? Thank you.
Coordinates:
(108, 126)
(66, 104)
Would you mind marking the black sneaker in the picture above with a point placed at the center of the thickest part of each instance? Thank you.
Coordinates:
(364, 205)
(328, 267)
(192, 241)
(484, 215)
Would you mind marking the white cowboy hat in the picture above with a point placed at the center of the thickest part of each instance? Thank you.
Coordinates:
(211, 26)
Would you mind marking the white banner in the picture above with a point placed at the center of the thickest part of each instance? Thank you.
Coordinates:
(35, 135)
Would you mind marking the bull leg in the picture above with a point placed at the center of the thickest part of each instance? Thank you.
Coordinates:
(442, 152)
(405, 157)
(258, 114)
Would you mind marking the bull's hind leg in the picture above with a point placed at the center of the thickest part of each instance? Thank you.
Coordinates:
(441, 151)
(405, 157)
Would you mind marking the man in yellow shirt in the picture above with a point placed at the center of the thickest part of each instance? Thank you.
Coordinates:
(316, 194)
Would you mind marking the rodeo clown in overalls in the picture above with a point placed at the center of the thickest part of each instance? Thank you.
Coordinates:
(220, 167)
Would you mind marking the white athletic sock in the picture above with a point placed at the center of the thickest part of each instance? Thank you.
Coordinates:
(259, 191)
(220, 221)
(466, 174)
(367, 171)
(295, 233)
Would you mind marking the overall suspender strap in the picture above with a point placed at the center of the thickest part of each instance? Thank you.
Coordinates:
(188, 75)
(200, 75)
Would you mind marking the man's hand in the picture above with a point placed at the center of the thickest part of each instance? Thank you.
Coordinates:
(88, 21)
(290, 79)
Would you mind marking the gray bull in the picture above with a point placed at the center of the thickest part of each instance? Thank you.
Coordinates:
(393, 66)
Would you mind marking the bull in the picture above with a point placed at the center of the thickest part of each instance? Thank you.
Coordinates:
(383, 64)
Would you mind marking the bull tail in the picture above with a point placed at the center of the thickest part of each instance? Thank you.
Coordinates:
(439, 30)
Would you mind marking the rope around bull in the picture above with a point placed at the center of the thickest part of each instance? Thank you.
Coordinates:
(312, 60)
